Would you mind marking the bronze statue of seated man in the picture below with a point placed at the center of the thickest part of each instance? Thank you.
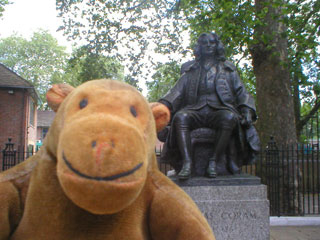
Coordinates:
(210, 94)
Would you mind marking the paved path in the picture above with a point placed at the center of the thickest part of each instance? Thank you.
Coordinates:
(295, 233)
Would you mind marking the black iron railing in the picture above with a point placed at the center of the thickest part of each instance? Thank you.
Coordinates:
(291, 173)
(12, 157)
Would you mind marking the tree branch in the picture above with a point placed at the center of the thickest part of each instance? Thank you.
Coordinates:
(306, 118)
(137, 6)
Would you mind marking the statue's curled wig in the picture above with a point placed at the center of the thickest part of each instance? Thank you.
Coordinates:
(220, 51)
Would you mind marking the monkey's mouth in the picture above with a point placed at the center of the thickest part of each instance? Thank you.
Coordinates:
(98, 178)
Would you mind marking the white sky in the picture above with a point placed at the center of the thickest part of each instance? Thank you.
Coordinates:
(28, 16)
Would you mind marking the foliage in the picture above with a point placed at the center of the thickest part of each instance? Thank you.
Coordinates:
(85, 65)
(248, 78)
(2, 4)
(139, 25)
(235, 22)
(163, 80)
(310, 130)
(131, 31)
(39, 60)
(42, 62)
(303, 34)
(132, 81)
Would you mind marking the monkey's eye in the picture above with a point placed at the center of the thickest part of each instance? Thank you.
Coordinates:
(133, 111)
(83, 103)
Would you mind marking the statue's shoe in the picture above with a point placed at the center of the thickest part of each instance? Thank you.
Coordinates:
(185, 172)
(233, 168)
(211, 170)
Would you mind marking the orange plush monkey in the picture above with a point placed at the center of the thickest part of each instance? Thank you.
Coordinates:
(96, 176)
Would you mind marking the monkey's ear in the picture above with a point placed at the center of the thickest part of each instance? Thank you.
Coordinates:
(57, 94)
(161, 115)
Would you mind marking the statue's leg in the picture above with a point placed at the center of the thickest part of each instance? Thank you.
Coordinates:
(184, 142)
(222, 139)
(234, 162)
(225, 121)
(182, 122)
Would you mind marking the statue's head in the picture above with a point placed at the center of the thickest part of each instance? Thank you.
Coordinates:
(209, 45)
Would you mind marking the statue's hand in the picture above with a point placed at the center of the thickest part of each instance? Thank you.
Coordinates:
(246, 114)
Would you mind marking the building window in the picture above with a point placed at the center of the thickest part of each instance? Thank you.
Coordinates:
(31, 115)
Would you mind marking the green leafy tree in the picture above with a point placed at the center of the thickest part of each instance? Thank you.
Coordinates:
(164, 78)
(303, 23)
(2, 5)
(133, 82)
(39, 60)
(125, 29)
(85, 64)
(310, 131)
(278, 40)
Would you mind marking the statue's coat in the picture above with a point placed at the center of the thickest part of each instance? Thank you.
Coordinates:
(233, 96)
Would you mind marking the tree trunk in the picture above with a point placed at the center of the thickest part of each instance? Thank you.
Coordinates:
(275, 104)
(269, 57)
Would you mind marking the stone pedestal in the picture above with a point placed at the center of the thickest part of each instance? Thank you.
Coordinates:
(236, 206)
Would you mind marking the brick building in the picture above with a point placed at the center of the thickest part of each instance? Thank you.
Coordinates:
(18, 114)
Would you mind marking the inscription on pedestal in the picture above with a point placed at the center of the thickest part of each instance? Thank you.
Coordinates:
(234, 212)
(232, 215)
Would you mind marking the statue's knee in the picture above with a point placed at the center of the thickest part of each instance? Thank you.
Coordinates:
(229, 119)
(181, 118)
